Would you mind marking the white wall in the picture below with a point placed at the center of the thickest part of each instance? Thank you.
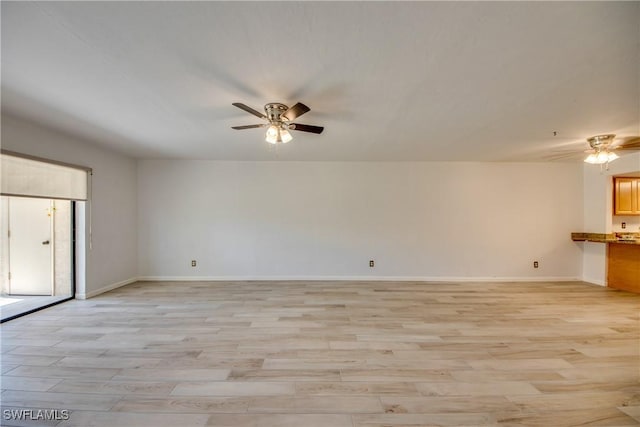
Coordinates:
(264, 220)
(320, 220)
(4, 245)
(598, 212)
(113, 259)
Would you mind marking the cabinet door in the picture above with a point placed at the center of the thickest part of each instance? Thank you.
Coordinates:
(626, 196)
(623, 270)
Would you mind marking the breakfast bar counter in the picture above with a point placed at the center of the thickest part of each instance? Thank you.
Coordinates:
(623, 258)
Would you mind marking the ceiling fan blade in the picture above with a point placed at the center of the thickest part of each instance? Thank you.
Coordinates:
(248, 127)
(560, 157)
(295, 111)
(632, 143)
(249, 110)
(306, 128)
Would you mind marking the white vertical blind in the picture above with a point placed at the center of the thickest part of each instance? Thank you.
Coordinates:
(31, 177)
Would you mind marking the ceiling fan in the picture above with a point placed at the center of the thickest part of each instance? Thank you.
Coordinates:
(602, 149)
(279, 119)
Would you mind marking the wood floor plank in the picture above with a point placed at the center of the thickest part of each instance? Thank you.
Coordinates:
(62, 372)
(202, 405)
(345, 388)
(56, 400)
(316, 404)
(105, 362)
(280, 420)
(422, 420)
(7, 368)
(569, 417)
(587, 400)
(28, 384)
(111, 419)
(495, 388)
(173, 374)
(34, 360)
(154, 388)
(446, 404)
(221, 388)
(291, 375)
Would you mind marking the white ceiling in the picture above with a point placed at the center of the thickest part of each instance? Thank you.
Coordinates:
(388, 80)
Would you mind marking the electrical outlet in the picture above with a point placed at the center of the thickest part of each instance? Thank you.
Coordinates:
(193, 263)
(535, 264)
(624, 225)
(372, 263)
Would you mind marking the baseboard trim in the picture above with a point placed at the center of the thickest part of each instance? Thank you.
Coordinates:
(357, 278)
(106, 288)
(599, 282)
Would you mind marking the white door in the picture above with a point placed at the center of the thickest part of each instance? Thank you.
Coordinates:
(30, 243)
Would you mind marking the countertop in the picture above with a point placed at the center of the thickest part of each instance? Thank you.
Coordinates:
(633, 239)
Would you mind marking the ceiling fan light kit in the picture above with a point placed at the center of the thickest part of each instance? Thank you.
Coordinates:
(602, 152)
(601, 157)
(277, 135)
(279, 118)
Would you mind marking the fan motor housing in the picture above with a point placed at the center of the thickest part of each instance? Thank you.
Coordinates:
(274, 110)
(600, 141)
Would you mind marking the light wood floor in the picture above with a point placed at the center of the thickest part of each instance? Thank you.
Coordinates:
(331, 354)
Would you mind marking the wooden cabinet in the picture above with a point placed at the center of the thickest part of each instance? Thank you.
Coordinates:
(623, 269)
(626, 195)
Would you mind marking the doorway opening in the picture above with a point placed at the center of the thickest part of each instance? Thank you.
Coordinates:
(41, 202)
(37, 254)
